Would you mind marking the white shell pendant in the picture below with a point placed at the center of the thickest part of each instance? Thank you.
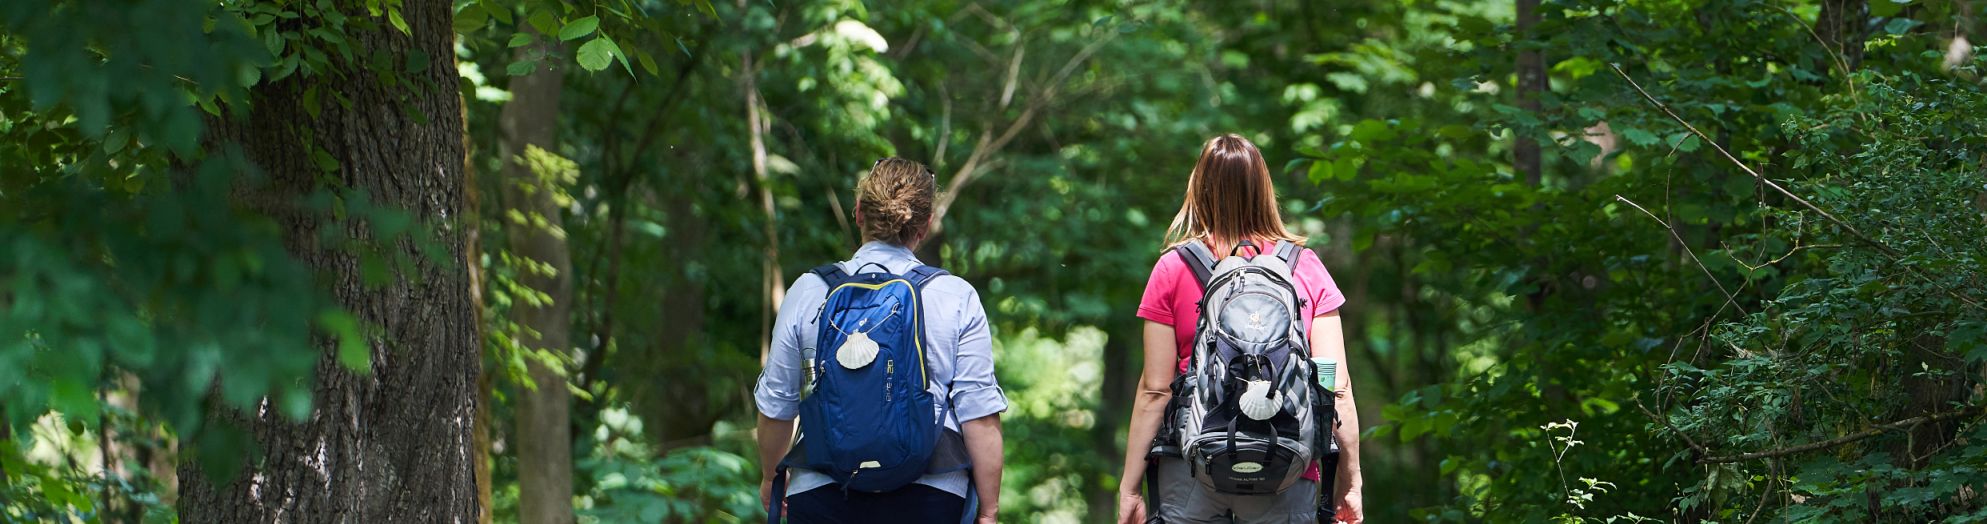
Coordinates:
(857, 351)
(1256, 403)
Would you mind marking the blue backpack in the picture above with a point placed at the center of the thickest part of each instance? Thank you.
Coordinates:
(866, 413)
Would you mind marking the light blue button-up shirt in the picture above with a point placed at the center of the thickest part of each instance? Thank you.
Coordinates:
(960, 357)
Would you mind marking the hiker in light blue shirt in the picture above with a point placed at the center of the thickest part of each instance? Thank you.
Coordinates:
(893, 209)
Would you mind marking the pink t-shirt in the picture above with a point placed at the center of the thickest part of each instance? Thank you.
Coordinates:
(1172, 297)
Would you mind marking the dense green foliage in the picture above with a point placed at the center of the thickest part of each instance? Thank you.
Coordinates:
(1747, 280)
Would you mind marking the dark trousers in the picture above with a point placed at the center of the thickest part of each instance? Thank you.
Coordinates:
(913, 504)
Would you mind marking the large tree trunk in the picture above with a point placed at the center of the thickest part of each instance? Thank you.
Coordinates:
(392, 445)
(545, 443)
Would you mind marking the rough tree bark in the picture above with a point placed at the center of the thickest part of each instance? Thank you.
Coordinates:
(392, 445)
(544, 439)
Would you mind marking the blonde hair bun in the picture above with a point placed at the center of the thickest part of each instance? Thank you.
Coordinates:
(896, 198)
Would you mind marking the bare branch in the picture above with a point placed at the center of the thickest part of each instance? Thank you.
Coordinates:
(989, 146)
(1834, 54)
(1013, 74)
(1729, 301)
(1694, 446)
(944, 127)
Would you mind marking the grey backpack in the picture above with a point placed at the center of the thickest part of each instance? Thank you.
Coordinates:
(1250, 417)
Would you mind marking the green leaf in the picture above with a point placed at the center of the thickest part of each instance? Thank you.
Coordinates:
(618, 55)
(521, 40)
(353, 352)
(393, 16)
(295, 403)
(521, 67)
(576, 29)
(323, 160)
(597, 54)
(311, 104)
(249, 75)
(648, 62)
(543, 21)
(373, 270)
(75, 399)
(1640, 137)
(1898, 26)
(116, 141)
(499, 11)
(471, 18)
(1320, 171)
(1370, 131)
(417, 61)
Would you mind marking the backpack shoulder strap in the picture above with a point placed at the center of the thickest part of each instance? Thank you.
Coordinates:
(1198, 259)
(1288, 251)
(830, 273)
(921, 275)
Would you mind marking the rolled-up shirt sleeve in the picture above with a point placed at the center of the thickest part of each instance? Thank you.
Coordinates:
(975, 391)
(778, 391)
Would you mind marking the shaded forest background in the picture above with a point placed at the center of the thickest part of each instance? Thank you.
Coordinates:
(1606, 260)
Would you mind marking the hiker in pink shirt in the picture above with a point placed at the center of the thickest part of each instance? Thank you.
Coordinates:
(1231, 201)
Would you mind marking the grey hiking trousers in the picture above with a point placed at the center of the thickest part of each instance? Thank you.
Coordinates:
(1183, 500)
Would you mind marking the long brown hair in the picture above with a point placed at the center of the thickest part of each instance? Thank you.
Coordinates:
(1230, 198)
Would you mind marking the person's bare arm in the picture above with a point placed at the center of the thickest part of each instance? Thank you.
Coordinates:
(774, 436)
(983, 446)
(1155, 387)
(1328, 341)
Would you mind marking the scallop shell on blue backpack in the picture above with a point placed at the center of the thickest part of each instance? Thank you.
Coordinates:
(857, 351)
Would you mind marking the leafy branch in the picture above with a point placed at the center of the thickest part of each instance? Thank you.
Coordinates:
(1845, 439)
(1893, 254)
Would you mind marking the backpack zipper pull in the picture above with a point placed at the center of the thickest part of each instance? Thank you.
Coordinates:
(889, 371)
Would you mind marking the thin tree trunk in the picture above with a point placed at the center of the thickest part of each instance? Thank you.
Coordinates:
(392, 445)
(1531, 82)
(1120, 370)
(677, 409)
(1527, 159)
(769, 268)
(472, 203)
(481, 445)
(1843, 25)
(545, 462)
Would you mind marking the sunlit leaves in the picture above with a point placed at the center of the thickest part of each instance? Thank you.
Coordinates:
(597, 54)
(577, 29)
